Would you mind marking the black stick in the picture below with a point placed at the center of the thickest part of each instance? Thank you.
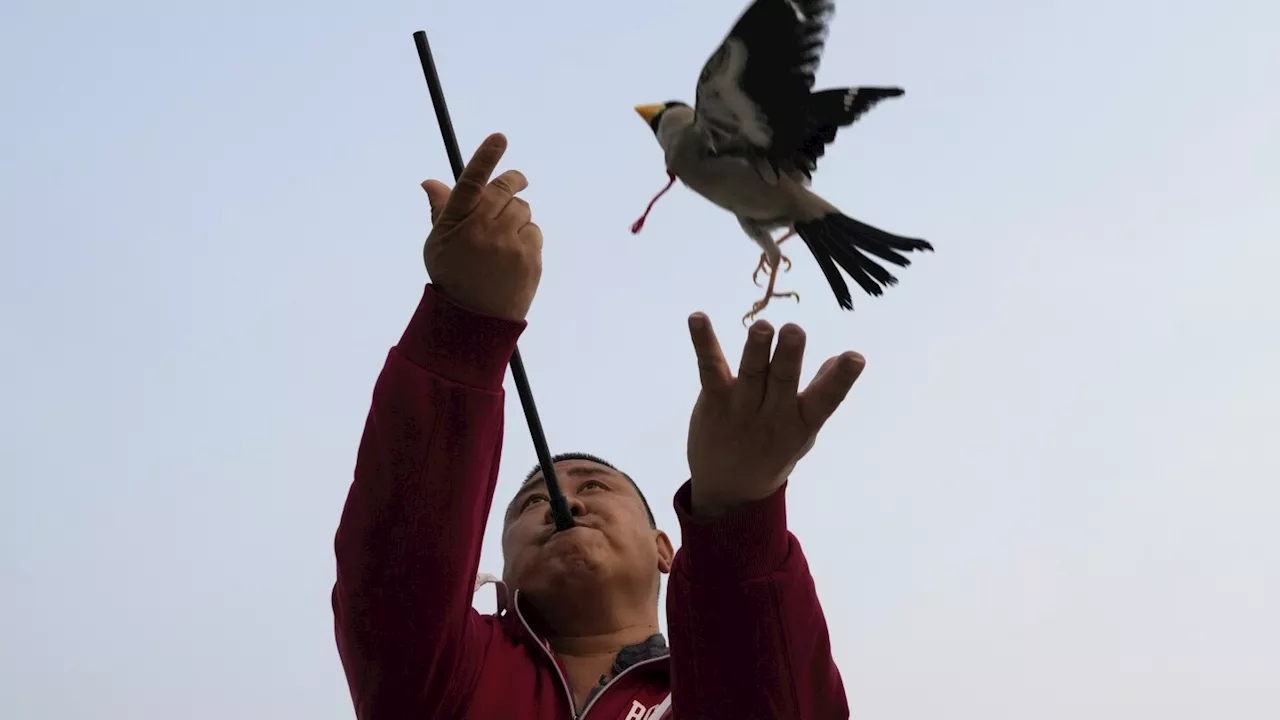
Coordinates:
(559, 507)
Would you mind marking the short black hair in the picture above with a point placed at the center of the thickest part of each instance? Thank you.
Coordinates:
(653, 523)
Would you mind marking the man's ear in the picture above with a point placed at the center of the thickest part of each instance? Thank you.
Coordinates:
(666, 553)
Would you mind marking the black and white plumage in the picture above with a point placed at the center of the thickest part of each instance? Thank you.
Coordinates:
(754, 139)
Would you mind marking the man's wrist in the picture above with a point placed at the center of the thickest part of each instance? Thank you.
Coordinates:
(708, 506)
(460, 345)
(745, 541)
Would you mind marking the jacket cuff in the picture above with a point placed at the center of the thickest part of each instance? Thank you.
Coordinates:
(746, 543)
(458, 344)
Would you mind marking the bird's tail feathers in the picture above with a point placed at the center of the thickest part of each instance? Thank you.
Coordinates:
(836, 239)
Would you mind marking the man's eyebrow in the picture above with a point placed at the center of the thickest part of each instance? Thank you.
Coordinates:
(530, 483)
(576, 471)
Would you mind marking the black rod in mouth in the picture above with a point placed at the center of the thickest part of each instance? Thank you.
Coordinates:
(559, 506)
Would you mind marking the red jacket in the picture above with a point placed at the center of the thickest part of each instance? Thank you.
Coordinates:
(747, 635)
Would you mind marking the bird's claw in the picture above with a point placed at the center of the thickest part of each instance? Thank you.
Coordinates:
(764, 302)
(763, 267)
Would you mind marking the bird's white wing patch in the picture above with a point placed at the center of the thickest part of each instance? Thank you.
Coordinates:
(725, 112)
(766, 171)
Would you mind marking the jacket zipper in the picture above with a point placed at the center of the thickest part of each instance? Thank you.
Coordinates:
(564, 682)
(605, 689)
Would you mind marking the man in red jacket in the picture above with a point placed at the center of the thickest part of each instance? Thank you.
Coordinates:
(576, 632)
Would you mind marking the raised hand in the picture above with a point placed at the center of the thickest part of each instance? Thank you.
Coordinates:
(748, 432)
(484, 251)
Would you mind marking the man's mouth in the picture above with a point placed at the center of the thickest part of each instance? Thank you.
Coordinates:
(552, 533)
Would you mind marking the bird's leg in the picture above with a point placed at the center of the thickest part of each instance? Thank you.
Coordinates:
(768, 293)
(637, 225)
(764, 261)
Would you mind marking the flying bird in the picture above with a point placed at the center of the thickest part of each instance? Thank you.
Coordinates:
(752, 141)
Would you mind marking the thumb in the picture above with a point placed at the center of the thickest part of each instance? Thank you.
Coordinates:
(828, 388)
(437, 195)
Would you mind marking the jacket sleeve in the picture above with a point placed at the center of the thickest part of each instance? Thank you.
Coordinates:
(748, 637)
(408, 542)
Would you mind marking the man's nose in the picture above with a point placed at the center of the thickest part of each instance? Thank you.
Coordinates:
(576, 508)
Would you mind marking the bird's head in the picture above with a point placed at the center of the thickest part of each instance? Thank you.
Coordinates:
(654, 113)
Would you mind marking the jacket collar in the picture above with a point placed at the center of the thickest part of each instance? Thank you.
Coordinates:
(655, 646)
(652, 650)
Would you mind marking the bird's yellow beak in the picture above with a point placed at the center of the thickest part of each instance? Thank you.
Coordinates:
(648, 112)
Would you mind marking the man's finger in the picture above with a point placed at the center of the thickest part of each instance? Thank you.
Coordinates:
(754, 368)
(532, 235)
(505, 187)
(784, 371)
(437, 195)
(515, 215)
(713, 371)
(475, 176)
(829, 387)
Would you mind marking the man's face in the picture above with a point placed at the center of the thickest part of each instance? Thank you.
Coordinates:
(612, 543)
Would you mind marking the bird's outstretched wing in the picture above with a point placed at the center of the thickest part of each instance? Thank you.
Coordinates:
(753, 92)
(826, 113)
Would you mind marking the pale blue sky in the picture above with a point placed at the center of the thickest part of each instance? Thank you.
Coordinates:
(1052, 495)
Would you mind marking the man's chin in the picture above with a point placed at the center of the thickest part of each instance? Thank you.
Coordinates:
(574, 561)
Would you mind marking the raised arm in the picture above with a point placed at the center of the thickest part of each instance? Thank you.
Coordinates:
(748, 636)
(408, 543)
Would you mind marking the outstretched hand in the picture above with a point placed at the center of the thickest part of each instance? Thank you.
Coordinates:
(748, 432)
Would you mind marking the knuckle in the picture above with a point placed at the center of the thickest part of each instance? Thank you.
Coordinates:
(786, 375)
(532, 230)
(466, 183)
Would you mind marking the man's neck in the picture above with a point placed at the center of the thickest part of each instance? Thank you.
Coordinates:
(587, 629)
(589, 659)
(602, 643)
